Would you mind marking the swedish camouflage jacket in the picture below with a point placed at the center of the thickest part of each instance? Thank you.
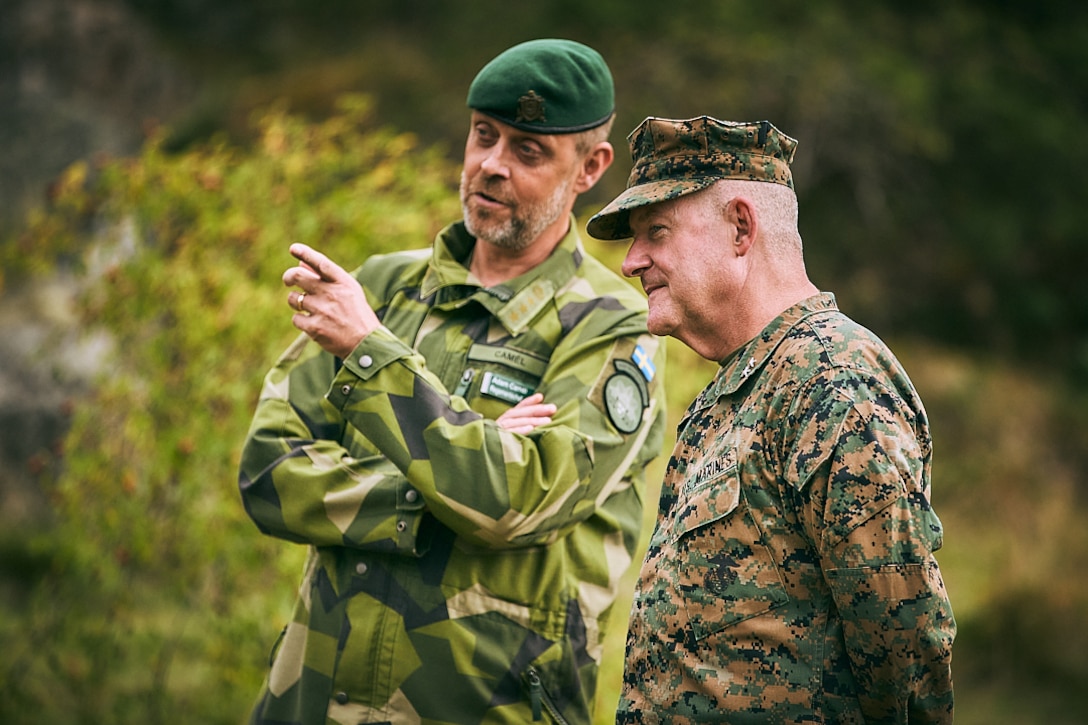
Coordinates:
(458, 573)
(790, 577)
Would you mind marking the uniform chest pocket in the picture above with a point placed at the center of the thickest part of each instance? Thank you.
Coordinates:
(724, 566)
(492, 390)
(498, 377)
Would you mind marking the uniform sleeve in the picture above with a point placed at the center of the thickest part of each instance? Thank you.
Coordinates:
(432, 456)
(297, 479)
(492, 487)
(862, 465)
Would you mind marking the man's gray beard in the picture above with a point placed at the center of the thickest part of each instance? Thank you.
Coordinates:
(520, 230)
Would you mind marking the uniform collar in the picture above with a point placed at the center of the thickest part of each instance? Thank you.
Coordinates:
(515, 303)
(753, 355)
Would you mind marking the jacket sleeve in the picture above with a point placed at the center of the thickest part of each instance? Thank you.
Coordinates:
(864, 472)
(492, 487)
(430, 455)
(299, 482)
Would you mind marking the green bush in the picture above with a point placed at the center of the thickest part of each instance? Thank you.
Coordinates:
(153, 598)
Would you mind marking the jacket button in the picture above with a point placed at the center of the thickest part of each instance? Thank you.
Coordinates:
(341, 698)
(411, 495)
(360, 568)
(366, 361)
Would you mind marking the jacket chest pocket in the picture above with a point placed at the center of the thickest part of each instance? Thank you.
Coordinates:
(496, 378)
(725, 571)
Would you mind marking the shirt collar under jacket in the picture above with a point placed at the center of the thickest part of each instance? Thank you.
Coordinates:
(514, 303)
(746, 362)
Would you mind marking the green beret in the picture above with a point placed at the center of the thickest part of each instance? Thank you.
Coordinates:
(672, 158)
(545, 86)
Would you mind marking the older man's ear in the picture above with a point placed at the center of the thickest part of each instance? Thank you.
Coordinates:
(741, 214)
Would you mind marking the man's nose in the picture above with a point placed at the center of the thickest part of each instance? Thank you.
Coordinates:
(635, 262)
(494, 163)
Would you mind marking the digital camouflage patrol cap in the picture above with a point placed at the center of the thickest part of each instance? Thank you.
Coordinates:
(545, 86)
(673, 157)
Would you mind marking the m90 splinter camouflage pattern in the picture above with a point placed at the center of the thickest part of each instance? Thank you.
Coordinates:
(458, 573)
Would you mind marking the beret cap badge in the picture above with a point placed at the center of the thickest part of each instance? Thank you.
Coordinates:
(530, 108)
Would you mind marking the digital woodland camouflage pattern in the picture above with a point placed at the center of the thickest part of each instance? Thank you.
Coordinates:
(791, 578)
(459, 573)
(672, 158)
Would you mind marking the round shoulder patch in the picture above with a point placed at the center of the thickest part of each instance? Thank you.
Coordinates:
(623, 402)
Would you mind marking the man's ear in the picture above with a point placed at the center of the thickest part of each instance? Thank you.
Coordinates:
(594, 164)
(741, 213)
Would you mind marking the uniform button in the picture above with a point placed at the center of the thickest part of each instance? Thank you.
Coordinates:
(360, 568)
(366, 361)
(411, 496)
(401, 526)
(342, 698)
(345, 389)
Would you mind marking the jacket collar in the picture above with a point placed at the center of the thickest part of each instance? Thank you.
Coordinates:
(753, 355)
(515, 303)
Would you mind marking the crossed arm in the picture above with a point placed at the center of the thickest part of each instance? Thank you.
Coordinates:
(331, 307)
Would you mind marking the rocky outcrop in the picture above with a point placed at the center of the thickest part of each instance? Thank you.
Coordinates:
(35, 395)
(77, 78)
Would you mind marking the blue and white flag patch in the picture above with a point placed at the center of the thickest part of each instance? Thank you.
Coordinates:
(644, 363)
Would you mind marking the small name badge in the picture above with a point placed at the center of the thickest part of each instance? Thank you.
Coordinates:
(505, 389)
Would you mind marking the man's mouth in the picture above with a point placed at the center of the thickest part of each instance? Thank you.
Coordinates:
(487, 200)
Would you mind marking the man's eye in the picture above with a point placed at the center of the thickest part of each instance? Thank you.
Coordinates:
(530, 151)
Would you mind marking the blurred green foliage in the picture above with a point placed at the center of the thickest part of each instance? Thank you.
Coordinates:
(938, 163)
(938, 173)
(151, 597)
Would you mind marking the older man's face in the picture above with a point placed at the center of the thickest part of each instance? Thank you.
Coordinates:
(680, 251)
